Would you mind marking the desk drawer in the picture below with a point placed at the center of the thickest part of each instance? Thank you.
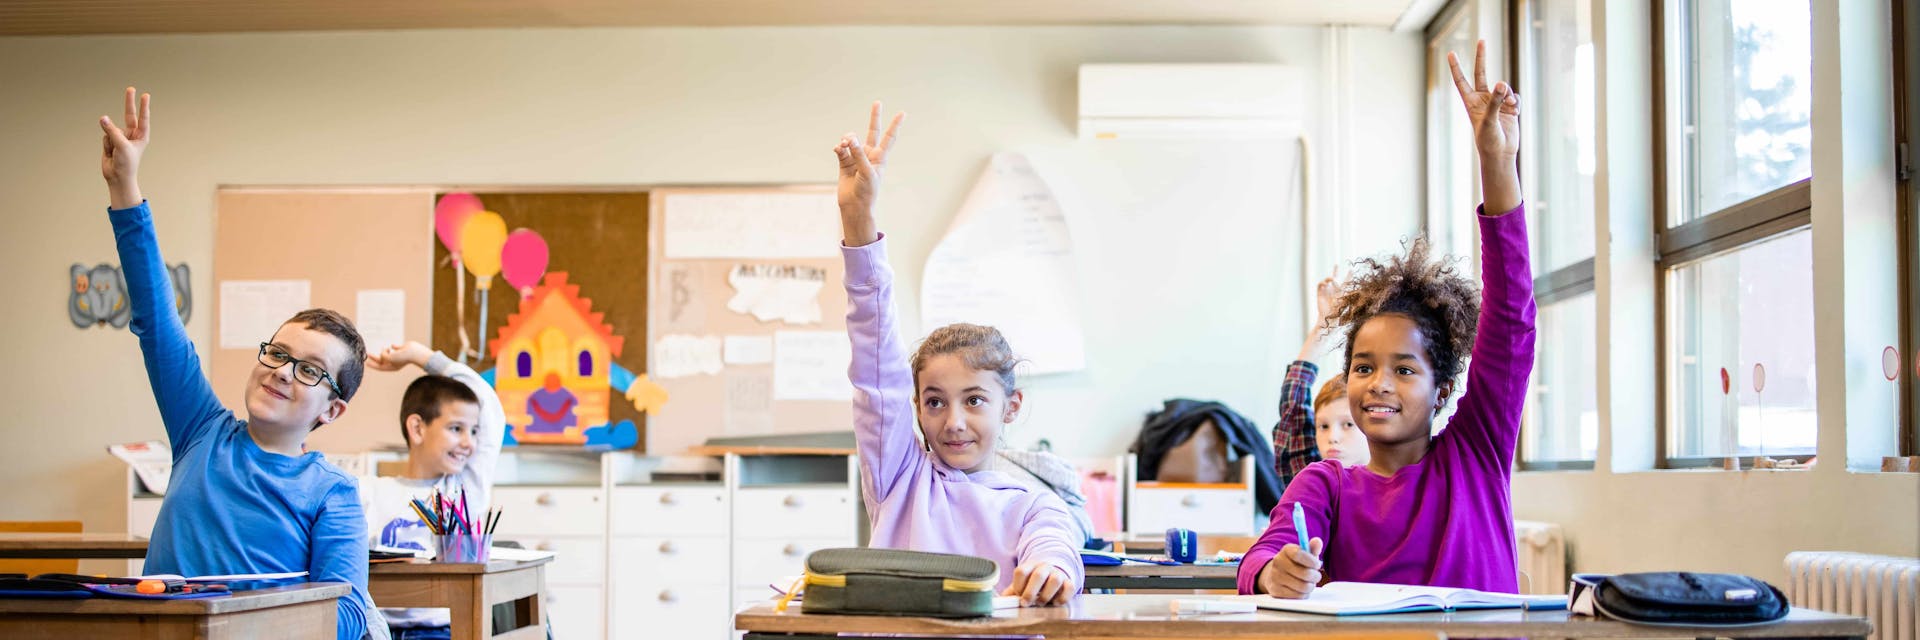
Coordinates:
(670, 511)
(757, 563)
(576, 560)
(672, 560)
(794, 513)
(576, 613)
(550, 511)
(648, 611)
(1223, 511)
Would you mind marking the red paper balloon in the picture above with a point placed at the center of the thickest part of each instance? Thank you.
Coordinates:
(524, 259)
(1726, 381)
(450, 213)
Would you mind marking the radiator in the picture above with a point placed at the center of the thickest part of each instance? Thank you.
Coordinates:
(1543, 557)
(1883, 589)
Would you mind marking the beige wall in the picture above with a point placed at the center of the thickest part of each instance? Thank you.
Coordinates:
(670, 106)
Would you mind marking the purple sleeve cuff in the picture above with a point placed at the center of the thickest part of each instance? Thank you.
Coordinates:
(865, 262)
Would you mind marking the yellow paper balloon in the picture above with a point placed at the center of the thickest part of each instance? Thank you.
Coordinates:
(480, 241)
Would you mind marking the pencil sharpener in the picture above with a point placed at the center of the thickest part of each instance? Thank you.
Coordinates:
(1183, 545)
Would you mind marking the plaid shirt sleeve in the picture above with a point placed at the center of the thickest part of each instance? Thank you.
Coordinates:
(1293, 443)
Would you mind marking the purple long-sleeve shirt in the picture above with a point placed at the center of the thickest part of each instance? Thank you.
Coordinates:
(914, 500)
(1447, 520)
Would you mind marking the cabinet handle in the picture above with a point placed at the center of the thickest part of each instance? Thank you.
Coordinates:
(791, 549)
(545, 500)
(668, 548)
(792, 501)
(668, 499)
(1189, 501)
(544, 546)
(668, 597)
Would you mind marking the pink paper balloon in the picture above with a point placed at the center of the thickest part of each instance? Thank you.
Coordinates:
(524, 259)
(450, 213)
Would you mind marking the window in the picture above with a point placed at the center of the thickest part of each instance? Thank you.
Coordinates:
(1556, 82)
(1453, 178)
(523, 364)
(1732, 211)
(586, 364)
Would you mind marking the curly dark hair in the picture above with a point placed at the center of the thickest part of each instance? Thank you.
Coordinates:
(1444, 303)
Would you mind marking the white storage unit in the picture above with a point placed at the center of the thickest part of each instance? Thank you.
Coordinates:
(1225, 509)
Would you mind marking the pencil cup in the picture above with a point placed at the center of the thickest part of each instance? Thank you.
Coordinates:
(462, 547)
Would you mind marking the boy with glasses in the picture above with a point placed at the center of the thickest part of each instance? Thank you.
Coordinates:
(246, 497)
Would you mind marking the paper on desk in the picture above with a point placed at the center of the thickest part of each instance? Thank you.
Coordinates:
(152, 462)
(238, 577)
(517, 555)
(251, 310)
(1007, 262)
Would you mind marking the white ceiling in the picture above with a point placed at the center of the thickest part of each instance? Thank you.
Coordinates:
(76, 17)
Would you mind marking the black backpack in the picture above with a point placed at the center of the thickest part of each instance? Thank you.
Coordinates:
(1679, 598)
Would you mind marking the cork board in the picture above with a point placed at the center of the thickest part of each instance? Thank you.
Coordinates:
(705, 247)
(341, 243)
(587, 312)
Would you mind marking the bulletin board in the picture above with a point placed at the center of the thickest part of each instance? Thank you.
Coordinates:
(338, 245)
(576, 312)
(746, 326)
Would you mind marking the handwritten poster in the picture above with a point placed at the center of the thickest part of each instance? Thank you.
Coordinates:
(1007, 262)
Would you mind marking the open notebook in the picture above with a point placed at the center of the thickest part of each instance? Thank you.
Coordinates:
(1366, 598)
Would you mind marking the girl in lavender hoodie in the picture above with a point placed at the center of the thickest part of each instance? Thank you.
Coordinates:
(959, 385)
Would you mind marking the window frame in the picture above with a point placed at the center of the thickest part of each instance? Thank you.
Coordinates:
(1560, 285)
(1906, 111)
(1767, 216)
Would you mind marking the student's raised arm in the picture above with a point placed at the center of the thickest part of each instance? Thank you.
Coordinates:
(1293, 444)
(187, 402)
(1503, 347)
(883, 394)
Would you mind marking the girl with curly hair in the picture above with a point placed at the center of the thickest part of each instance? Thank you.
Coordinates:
(1426, 509)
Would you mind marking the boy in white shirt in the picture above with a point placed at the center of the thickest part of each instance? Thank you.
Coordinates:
(453, 425)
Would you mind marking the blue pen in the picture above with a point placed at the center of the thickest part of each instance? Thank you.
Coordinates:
(1300, 527)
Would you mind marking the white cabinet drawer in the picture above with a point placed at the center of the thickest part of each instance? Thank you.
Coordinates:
(670, 511)
(580, 560)
(550, 511)
(794, 513)
(1223, 511)
(645, 612)
(760, 562)
(670, 560)
(576, 613)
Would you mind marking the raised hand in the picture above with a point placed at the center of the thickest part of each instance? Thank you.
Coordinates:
(1495, 114)
(861, 164)
(120, 151)
(1325, 295)
(397, 357)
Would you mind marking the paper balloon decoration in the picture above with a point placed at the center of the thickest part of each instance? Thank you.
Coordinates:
(450, 214)
(523, 260)
(480, 241)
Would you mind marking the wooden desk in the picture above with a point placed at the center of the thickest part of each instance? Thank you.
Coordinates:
(72, 545)
(1145, 616)
(469, 590)
(294, 612)
(1156, 576)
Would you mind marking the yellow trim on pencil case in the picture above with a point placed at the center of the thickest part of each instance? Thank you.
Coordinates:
(946, 584)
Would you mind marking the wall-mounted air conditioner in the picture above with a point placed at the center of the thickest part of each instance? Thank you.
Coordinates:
(1160, 101)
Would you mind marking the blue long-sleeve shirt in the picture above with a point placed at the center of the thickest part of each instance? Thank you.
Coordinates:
(231, 506)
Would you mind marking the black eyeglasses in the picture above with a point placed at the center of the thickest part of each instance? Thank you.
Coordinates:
(307, 373)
